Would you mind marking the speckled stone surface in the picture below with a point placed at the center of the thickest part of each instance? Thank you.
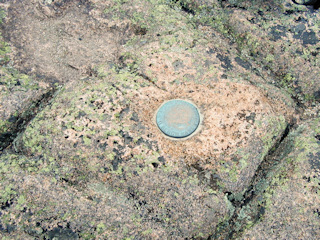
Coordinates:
(83, 157)
(292, 198)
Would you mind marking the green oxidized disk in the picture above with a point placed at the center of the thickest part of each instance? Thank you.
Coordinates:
(178, 118)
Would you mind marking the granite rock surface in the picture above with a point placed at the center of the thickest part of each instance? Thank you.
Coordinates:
(82, 157)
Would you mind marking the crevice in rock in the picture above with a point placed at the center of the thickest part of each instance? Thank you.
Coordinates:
(123, 65)
(20, 122)
(278, 78)
(247, 212)
(283, 85)
(145, 77)
(314, 3)
(186, 7)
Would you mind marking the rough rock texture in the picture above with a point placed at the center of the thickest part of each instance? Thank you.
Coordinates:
(18, 93)
(83, 158)
(292, 197)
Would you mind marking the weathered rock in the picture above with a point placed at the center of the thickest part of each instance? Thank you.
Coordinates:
(280, 37)
(21, 96)
(62, 39)
(291, 192)
(91, 162)
(159, 202)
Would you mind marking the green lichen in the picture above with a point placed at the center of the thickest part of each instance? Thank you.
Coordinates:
(100, 228)
(7, 194)
(116, 9)
(14, 80)
(21, 202)
(147, 232)
(277, 125)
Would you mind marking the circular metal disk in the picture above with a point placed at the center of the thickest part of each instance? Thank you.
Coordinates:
(178, 118)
